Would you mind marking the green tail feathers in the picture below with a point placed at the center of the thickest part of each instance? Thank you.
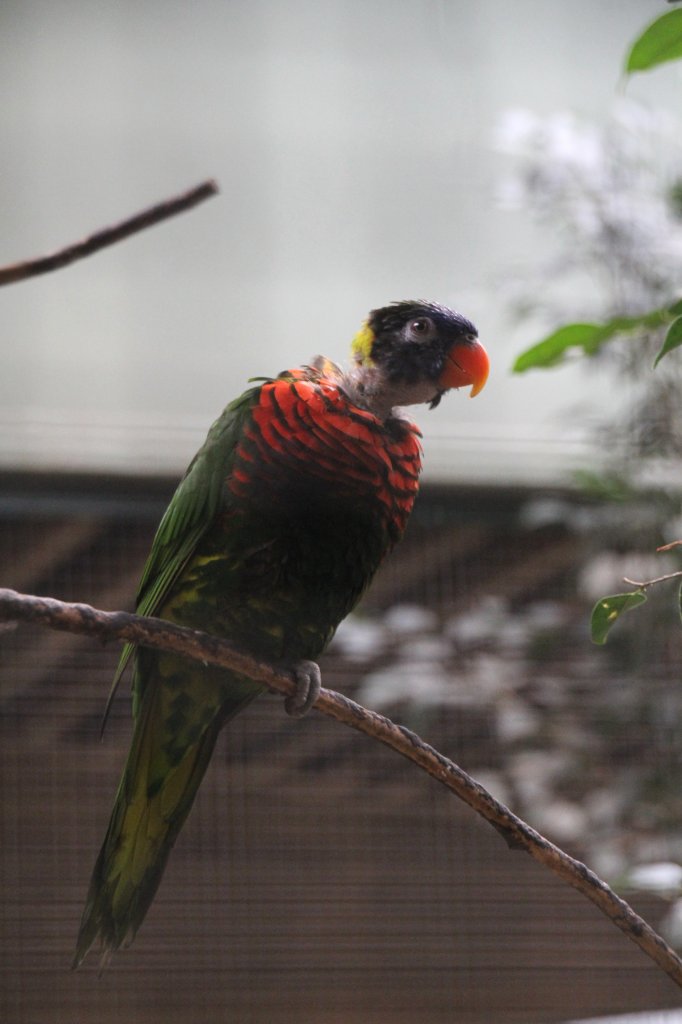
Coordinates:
(174, 738)
(144, 825)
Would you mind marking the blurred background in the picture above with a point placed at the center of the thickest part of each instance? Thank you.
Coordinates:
(480, 153)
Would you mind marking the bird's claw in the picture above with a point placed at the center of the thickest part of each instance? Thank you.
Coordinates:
(308, 681)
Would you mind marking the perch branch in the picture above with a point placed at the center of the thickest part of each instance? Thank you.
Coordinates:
(81, 618)
(107, 236)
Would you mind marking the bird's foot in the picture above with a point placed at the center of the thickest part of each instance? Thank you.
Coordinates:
(308, 681)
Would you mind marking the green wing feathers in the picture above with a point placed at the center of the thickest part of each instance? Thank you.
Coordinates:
(188, 516)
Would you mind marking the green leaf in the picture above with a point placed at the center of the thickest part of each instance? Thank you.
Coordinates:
(660, 42)
(609, 609)
(673, 339)
(588, 337)
(552, 349)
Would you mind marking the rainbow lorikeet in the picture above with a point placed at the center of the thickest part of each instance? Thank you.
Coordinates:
(302, 486)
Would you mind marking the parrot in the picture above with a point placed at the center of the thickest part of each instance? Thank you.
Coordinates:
(303, 485)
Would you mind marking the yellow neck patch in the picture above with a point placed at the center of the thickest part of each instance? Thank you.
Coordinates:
(362, 344)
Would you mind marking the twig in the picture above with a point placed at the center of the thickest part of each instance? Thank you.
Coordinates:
(81, 618)
(107, 236)
(643, 584)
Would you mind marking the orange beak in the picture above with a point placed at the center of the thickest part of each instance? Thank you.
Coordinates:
(466, 363)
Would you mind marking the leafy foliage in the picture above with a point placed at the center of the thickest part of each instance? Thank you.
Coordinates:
(589, 337)
(660, 42)
(610, 239)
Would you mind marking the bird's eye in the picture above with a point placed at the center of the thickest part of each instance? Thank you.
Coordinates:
(421, 327)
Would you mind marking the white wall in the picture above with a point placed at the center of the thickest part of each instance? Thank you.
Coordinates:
(352, 143)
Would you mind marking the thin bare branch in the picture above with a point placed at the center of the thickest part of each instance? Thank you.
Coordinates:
(643, 584)
(107, 236)
(81, 618)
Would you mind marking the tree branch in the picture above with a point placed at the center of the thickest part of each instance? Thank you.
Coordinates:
(643, 584)
(81, 618)
(107, 236)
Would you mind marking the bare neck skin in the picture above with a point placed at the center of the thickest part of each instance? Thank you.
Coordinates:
(369, 386)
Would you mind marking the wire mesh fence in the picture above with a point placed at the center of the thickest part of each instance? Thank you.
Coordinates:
(319, 878)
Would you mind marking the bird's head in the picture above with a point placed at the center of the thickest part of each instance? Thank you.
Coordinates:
(414, 352)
